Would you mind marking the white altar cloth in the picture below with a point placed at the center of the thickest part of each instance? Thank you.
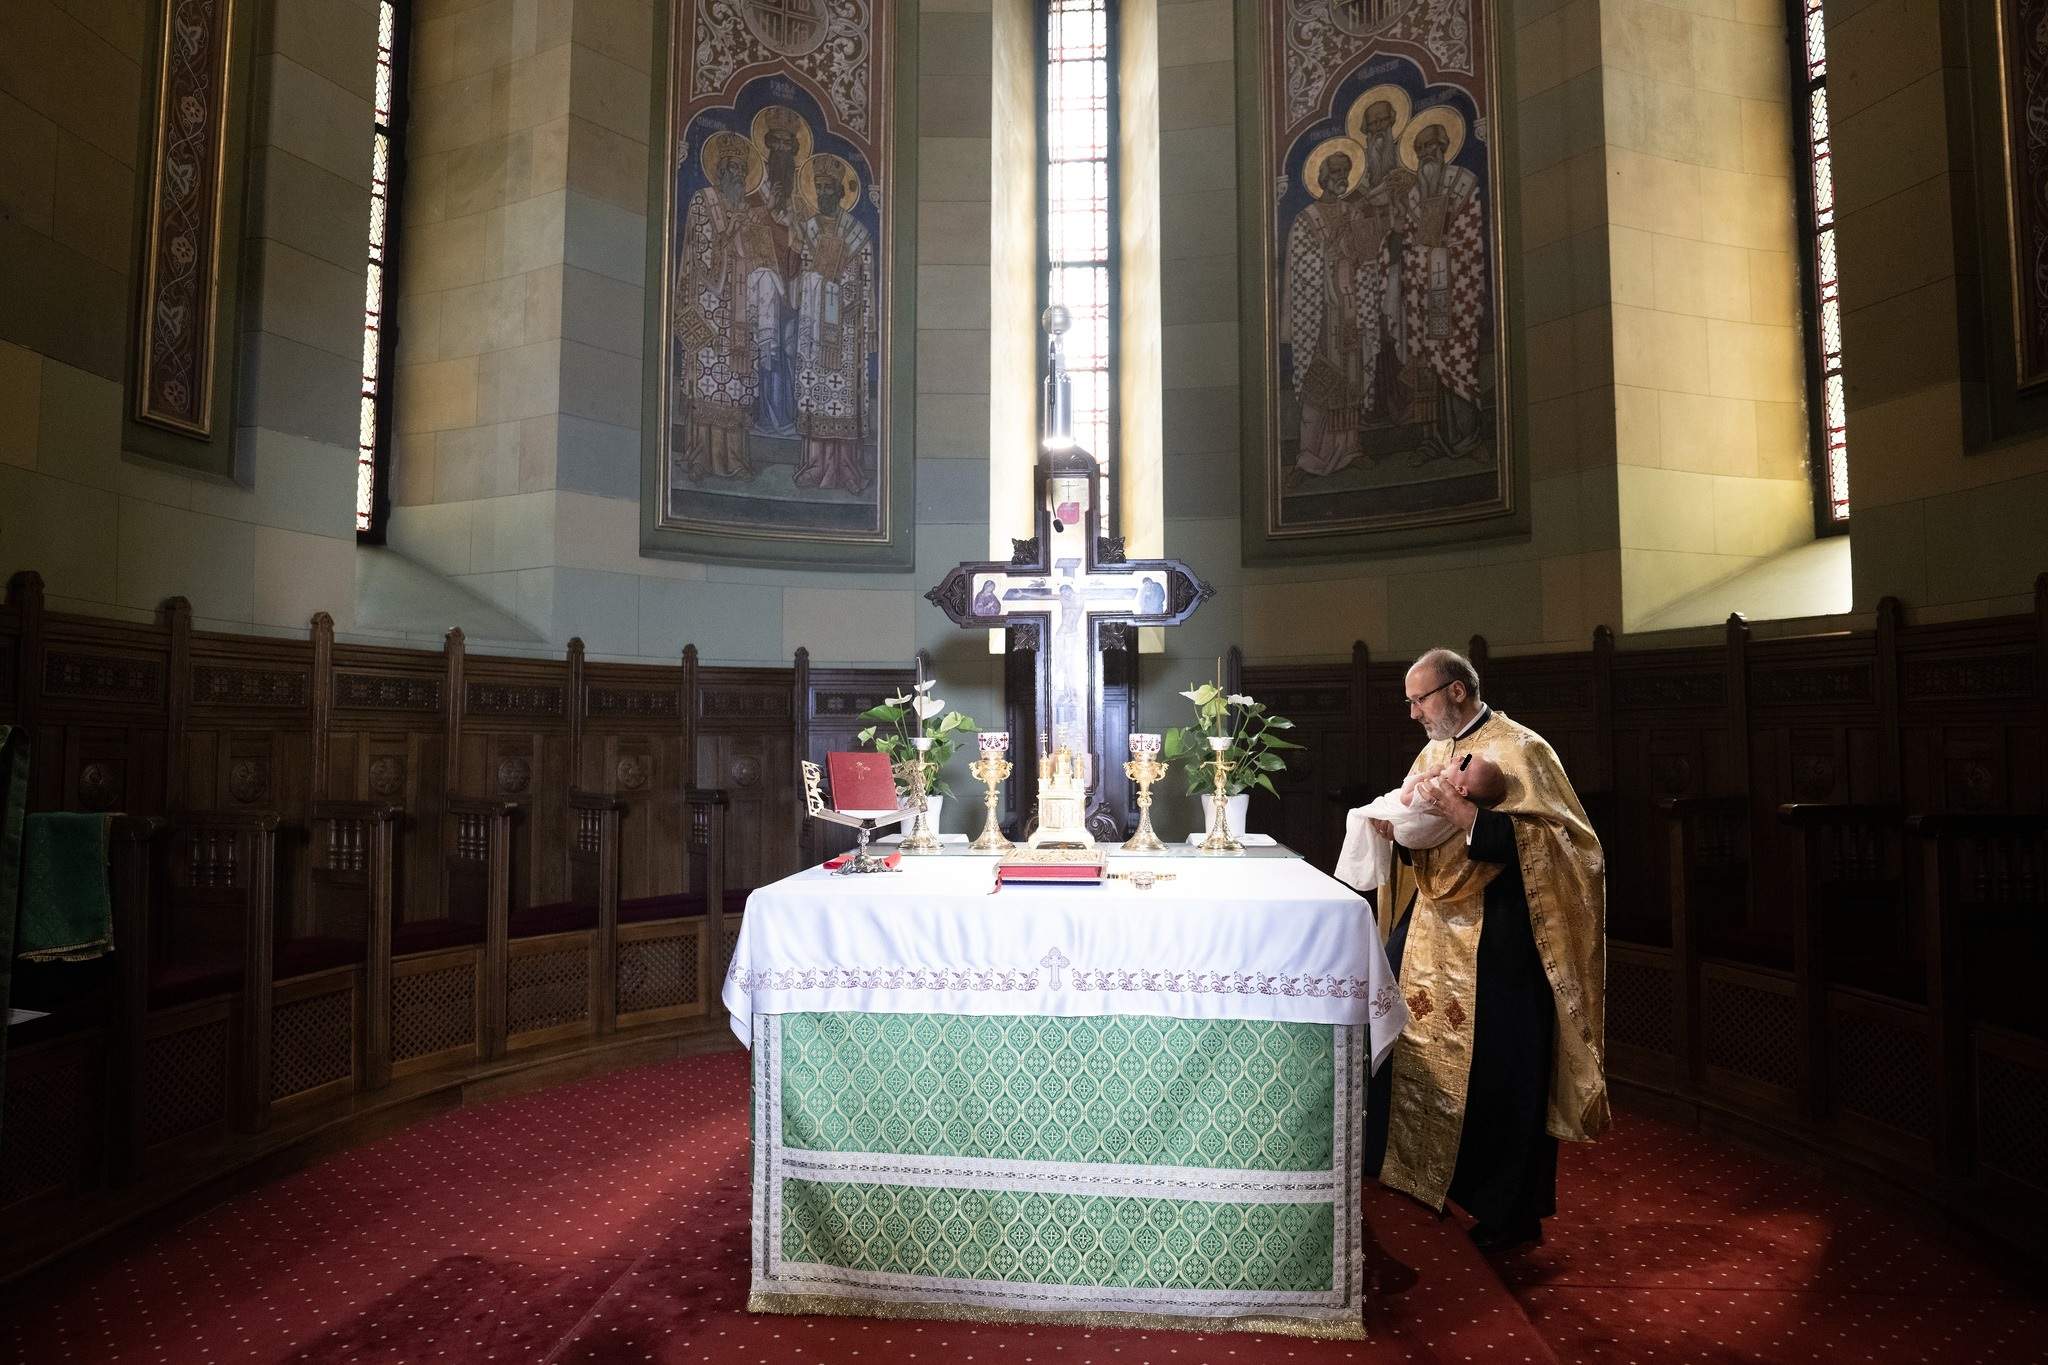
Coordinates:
(1252, 938)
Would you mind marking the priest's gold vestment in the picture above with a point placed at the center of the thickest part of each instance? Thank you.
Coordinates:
(1564, 876)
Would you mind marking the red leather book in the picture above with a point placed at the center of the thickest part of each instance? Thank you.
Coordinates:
(862, 783)
(1070, 874)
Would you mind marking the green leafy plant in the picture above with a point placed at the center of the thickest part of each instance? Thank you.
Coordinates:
(901, 719)
(1253, 751)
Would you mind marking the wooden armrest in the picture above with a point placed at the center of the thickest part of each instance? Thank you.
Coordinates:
(481, 805)
(354, 810)
(1702, 805)
(260, 821)
(1986, 823)
(704, 796)
(1808, 813)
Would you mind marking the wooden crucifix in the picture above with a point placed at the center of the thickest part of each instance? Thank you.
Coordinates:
(1067, 594)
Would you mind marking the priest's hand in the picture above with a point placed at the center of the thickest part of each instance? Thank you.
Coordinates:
(1440, 795)
(1383, 828)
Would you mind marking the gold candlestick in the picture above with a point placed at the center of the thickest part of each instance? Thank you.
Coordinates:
(1145, 769)
(1219, 841)
(921, 839)
(990, 769)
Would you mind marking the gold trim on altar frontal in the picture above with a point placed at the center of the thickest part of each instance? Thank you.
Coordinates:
(833, 1305)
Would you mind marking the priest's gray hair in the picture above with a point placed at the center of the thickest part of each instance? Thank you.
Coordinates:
(1452, 667)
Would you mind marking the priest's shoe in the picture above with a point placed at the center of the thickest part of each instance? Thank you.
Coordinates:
(1495, 1238)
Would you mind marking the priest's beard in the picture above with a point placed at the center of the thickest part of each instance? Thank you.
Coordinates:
(1446, 725)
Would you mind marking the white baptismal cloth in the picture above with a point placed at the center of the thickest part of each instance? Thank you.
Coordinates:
(1252, 938)
(1367, 861)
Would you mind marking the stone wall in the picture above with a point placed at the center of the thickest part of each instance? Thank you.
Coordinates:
(1952, 530)
(1702, 238)
(113, 534)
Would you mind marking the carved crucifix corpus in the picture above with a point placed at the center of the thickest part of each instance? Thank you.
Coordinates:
(1068, 592)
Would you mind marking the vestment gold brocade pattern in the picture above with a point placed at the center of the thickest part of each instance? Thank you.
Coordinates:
(1564, 875)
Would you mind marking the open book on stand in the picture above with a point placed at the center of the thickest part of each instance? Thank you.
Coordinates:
(863, 783)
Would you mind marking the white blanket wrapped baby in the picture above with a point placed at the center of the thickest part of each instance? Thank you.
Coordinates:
(1367, 862)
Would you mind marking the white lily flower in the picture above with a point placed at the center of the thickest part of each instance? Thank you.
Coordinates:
(1190, 694)
(903, 700)
(927, 707)
(1238, 699)
(928, 684)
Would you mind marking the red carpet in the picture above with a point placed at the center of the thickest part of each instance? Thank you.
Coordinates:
(606, 1222)
(1679, 1247)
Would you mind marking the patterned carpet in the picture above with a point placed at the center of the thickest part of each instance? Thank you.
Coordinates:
(606, 1222)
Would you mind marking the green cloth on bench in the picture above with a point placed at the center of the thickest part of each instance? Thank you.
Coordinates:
(67, 910)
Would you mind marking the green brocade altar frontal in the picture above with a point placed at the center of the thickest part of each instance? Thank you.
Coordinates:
(1115, 1170)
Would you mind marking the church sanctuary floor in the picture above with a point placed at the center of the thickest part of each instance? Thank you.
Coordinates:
(605, 1220)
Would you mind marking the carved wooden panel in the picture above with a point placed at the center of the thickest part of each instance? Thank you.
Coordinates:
(434, 1010)
(759, 775)
(370, 758)
(1668, 689)
(1642, 1006)
(620, 702)
(2012, 1108)
(1830, 684)
(74, 675)
(1970, 678)
(659, 973)
(539, 700)
(548, 988)
(53, 1117)
(538, 758)
(1749, 1029)
(745, 699)
(644, 769)
(227, 686)
(1881, 1064)
(386, 692)
(185, 1079)
(313, 1041)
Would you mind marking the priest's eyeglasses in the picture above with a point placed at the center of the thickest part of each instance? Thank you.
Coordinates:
(1415, 702)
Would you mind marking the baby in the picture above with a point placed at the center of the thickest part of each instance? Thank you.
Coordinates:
(1368, 859)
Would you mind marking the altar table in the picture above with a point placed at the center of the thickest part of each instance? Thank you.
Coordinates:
(1079, 1104)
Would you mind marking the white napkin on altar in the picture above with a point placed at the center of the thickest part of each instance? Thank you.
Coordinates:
(1367, 862)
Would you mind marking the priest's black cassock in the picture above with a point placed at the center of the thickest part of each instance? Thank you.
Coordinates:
(1506, 1174)
(1504, 977)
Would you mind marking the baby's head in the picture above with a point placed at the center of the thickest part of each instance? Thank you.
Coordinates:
(1481, 780)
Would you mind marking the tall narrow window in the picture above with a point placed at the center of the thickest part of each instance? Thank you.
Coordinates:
(373, 435)
(1824, 339)
(1079, 234)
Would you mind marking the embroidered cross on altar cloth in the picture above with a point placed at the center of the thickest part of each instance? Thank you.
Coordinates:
(1088, 1104)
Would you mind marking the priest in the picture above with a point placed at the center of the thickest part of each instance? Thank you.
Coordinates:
(1501, 953)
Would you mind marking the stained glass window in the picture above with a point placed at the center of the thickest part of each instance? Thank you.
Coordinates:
(1831, 454)
(373, 437)
(1078, 251)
